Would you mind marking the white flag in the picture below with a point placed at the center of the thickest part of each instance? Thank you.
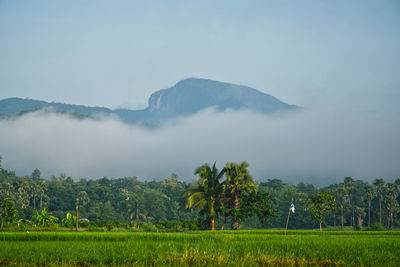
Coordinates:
(292, 207)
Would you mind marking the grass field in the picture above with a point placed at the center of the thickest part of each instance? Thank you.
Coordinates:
(240, 248)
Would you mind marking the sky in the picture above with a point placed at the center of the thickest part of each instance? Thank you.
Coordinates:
(338, 59)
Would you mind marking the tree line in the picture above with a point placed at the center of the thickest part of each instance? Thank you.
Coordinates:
(218, 198)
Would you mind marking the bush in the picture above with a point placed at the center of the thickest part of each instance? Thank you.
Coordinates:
(376, 227)
(110, 226)
(84, 224)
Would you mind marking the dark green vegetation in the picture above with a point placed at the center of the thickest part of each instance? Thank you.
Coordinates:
(236, 197)
(185, 98)
(245, 248)
(136, 205)
(321, 204)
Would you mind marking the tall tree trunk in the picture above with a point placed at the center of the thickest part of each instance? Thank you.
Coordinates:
(341, 217)
(136, 213)
(390, 220)
(224, 222)
(235, 224)
(212, 214)
(320, 226)
(352, 206)
(369, 211)
(34, 202)
(380, 210)
(387, 221)
(77, 218)
(360, 221)
(334, 219)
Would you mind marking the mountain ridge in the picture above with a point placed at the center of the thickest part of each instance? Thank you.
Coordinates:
(185, 98)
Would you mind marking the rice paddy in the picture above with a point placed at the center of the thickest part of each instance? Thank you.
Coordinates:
(232, 248)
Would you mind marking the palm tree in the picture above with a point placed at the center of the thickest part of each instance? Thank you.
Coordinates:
(206, 195)
(370, 192)
(238, 181)
(379, 188)
(349, 185)
(135, 204)
(81, 199)
(360, 213)
(341, 198)
(391, 191)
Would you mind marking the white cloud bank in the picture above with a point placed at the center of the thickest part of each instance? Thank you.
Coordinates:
(313, 146)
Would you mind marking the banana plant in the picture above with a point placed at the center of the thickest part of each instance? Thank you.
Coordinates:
(44, 218)
(69, 220)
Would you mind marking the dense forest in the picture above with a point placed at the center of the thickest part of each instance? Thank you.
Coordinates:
(168, 202)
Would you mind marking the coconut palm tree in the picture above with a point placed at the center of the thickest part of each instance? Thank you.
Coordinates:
(349, 185)
(82, 199)
(369, 190)
(206, 196)
(238, 181)
(360, 213)
(391, 192)
(341, 198)
(379, 184)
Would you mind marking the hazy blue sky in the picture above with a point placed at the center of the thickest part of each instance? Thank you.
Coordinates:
(113, 53)
(340, 59)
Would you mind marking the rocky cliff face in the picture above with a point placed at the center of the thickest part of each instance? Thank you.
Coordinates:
(192, 95)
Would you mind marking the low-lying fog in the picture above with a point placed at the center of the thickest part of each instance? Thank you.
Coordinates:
(314, 146)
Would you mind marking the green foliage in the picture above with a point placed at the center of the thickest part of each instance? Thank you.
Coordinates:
(320, 204)
(238, 183)
(44, 218)
(235, 198)
(238, 179)
(177, 226)
(8, 213)
(69, 220)
(206, 195)
(256, 204)
(82, 198)
(376, 227)
(128, 199)
(36, 175)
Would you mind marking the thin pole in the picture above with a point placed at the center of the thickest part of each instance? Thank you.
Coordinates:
(287, 220)
(77, 215)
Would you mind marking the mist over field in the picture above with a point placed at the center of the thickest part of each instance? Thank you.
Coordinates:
(314, 146)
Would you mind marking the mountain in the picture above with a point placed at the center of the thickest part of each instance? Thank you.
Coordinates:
(185, 98)
(192, 95)
(19, 106)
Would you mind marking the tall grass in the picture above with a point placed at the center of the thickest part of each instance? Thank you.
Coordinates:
(203, 248)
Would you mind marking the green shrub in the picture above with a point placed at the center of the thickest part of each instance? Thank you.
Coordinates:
(377, 227)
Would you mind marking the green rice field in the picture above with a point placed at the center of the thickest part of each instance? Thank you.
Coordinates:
(224, 248)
